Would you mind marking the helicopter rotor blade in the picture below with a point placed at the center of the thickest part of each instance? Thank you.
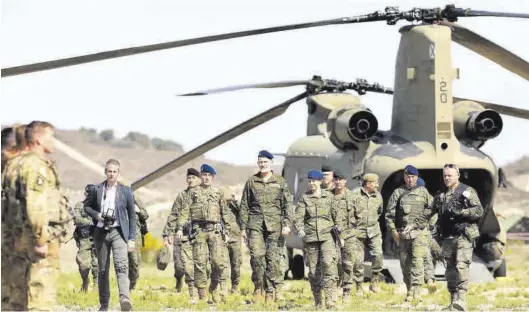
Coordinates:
(489, 49)
(218, 140)
(502, 109)
(280, 84)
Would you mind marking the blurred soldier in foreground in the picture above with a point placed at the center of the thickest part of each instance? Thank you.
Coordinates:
(40, 218)
(314, 221)
(368, 209)
(210, 226)
(13, 146)
(266, 208)
(235, 242)
(459, 211)
(344, 205)
(183, 248)
(141, 227)
(86, 254)
(404, 206)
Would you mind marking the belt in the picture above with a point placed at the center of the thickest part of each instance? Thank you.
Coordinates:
(206, 226)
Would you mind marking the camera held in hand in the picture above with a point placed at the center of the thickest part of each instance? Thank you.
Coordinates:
(108, 218)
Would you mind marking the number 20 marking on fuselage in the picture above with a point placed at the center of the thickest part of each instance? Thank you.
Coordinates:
(443, 89)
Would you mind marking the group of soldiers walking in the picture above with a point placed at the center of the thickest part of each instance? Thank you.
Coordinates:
(207, 225)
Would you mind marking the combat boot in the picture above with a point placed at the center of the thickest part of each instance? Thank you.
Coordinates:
(416, 295)
(346, 295)
(432, 287)
(192, 294)
(452, 298)
(279, 296)
(374, 287)
(359, 290)
(409, 296)
(234, 288)
(132, 285)
(330, 303)
(202, 294)
(257, 293)
(459, 303)
(179, 284)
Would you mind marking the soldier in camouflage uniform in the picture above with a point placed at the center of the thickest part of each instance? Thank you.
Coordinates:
(459, 211)
(40, 218)
(434, 252)
(368, 209)
(404, 205)
(343, 204)
(235, 243)
(10, 150)
(211, 220)
(86, 254)
(183, 249)
(314, 221)
(266, 208)
(135, 256)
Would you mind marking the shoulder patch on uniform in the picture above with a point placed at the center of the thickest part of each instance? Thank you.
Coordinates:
(466, 194)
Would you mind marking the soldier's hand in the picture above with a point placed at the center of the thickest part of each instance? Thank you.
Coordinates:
(396, 236)
(342, 242)
(131, 245)
(41, 251)
(285, 231)
(179, 235)
(136, 209)
(100, 217)
(166, 241)
(301, 233)
(244, 235)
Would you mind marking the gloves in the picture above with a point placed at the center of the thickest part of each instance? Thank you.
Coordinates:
(285, 231)
(179, 235)
(301, 233)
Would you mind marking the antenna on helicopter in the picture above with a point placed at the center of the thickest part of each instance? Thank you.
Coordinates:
(391, 15)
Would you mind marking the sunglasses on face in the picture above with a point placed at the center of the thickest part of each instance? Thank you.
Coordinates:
(452, 166)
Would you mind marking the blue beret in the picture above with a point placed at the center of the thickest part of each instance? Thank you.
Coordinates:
(411, 170)
(193, 172)
(315, 175)
(265, 154)
(207, 169)
(420, 182)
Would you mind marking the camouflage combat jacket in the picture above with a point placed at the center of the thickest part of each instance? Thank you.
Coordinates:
(205, 205)
(38, 211)
(469, 210)
(368, 209)
(344, 206)
(142, 216)
(315, 216)
(235, 211)
(180, 202)
(404, 206)
(266, 204)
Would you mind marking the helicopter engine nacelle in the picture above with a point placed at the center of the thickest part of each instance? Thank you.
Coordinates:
(473, 122)
(351, 127)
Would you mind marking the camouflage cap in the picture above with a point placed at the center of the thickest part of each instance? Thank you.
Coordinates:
(163, 258)
(370, 177)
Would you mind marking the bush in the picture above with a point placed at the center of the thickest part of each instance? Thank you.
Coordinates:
(107, 135)
(140, 138)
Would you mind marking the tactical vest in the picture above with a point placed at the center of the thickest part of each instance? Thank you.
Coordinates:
(450, 225)
(205, 205)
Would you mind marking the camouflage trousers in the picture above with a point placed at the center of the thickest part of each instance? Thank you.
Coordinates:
(353, 264)
(86, 258)
(183, 262)
(374, 246)
(34, 280)
(412, 253)
(208, 245)
(434, 254)
(134, 262)
(321, 256)
(267, 259)
(235, 252)
(457, 253)
(6, 268)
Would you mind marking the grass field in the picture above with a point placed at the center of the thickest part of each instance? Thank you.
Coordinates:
(155, 292)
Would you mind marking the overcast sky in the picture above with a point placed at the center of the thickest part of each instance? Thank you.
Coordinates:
(137, 93)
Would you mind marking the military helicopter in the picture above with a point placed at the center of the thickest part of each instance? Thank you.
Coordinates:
(430, 127)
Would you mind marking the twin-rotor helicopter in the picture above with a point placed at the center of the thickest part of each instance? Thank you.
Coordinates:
(430, 126)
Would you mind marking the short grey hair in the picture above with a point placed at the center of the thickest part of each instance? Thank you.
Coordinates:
(112, 161)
